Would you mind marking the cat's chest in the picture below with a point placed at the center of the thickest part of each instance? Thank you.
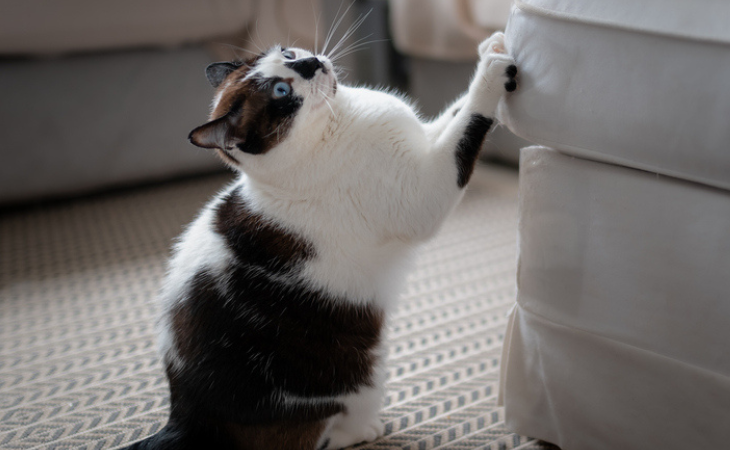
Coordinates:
(359, 273)
(326, 253)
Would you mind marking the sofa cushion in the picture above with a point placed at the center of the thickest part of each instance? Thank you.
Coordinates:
(79, 124)
(52, 26)
(641, 84)
(619, 336)
(639, 258)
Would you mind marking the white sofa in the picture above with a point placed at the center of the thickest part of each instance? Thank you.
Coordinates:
(620, 338)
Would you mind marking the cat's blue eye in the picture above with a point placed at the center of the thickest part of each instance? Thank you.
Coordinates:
(281, 89)
(288, 54)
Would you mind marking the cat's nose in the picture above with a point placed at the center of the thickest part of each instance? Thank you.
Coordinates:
(306, 67)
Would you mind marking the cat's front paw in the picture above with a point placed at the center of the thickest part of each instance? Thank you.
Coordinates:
(494, 44)
(495, 62)
(345, 436)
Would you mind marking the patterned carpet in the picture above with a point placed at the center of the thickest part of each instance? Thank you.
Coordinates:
(78, 368)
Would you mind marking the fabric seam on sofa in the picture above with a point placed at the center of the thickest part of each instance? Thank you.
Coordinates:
(550, 321)
(599, 157)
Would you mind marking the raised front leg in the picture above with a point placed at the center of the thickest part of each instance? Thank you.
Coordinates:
(490, 50)
(473, 115)
(455, 139)
(436, 127)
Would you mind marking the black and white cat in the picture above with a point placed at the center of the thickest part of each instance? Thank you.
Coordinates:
(276, 299)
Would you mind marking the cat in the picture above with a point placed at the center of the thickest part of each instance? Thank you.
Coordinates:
(277, 295)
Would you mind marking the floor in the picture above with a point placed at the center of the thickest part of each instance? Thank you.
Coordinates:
(78, 368)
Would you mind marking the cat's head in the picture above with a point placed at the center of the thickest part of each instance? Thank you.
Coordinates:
(259, 101)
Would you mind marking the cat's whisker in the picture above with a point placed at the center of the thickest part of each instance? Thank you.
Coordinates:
(317, 18)
(247, 44)
(235, 49)
(258, 35)
(336, 24)
(330, 107)
(326, 100)
(350, 31)
(356, 46)
(354, 51)
(251, 41)
(329, 32)
(342, 73)
(321, 92)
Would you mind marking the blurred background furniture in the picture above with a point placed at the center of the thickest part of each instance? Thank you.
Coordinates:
(619, 339)
(103, 94)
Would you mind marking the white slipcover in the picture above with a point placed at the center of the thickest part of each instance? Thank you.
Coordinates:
(620, 338)
(620, 335)
(642, 84)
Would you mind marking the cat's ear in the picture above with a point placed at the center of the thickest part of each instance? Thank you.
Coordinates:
(217, 72)
(218, 133)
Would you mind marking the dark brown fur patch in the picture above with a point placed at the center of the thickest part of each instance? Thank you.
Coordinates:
(247, 116)
(261, 122)
(467, 150)
(245, 338)
(259, 240)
